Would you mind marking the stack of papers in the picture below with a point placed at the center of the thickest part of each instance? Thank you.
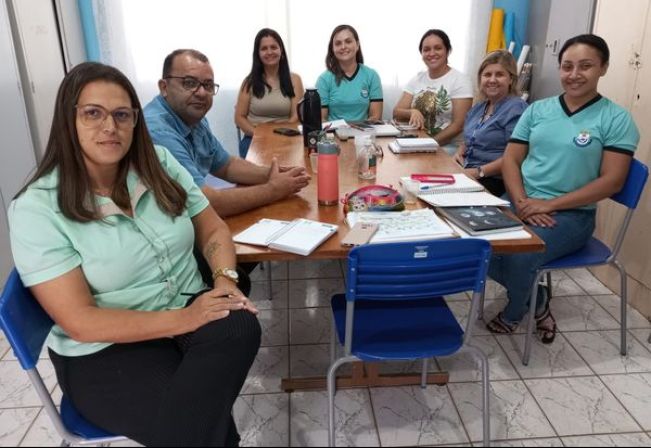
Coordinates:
(300, 236)
(412, 225)
(462, 184)
(409, 145)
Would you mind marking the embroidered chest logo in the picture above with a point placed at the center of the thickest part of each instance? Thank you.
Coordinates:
(364, 93)
(583, 139)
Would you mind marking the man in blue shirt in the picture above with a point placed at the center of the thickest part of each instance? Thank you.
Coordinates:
(176, 120)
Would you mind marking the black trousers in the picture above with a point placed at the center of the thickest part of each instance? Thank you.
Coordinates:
(166, 392)
(495, 185)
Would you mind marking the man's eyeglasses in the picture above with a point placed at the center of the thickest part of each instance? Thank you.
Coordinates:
(192, 84)
(94, 115)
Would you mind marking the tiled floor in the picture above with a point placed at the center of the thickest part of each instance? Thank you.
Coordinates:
(578, 391)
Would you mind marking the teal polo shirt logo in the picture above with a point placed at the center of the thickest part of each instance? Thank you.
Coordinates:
(583, 139)
(364, 93)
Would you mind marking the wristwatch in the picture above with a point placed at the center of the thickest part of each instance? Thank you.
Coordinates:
(481, 173)
(229, 273)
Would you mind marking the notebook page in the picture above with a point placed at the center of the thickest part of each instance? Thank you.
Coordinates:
(303, 236)
(462, 183)
(461, 199)
(412, 225)
(261, 232)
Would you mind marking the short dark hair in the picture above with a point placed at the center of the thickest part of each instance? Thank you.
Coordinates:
(331, 61)
(255, 79)
(434, 32)
(591, 40)
(169, 59)
(64, 152)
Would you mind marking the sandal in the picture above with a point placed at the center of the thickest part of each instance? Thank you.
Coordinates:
(546, 326)
(500, 326)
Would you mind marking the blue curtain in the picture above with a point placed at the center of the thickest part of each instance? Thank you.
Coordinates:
(91, 43)
(515, 22)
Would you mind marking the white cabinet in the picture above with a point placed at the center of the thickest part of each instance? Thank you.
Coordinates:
(626, 26)
(17, 158)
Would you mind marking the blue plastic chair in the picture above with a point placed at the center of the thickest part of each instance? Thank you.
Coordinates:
(26, 325)
(394, 309)
(596, 253)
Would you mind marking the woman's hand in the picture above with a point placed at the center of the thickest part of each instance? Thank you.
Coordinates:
(217, 304)
(472, 173)
(541, 220)
(460, 155)
(530, 206)
(416, 119)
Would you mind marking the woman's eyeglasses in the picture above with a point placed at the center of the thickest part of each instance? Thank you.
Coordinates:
(94, 115)
(192, 84)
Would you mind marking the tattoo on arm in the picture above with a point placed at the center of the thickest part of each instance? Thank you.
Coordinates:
(211, 249)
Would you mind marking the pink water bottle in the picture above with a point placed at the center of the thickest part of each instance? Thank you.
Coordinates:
(328, 177)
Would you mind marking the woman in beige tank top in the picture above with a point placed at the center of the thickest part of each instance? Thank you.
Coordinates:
(270, 91)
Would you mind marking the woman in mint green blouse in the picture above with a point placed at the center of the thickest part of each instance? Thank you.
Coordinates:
(103, 236)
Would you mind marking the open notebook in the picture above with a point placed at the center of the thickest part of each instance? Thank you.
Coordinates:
(300, 236)
(413, 225)
(463, 192)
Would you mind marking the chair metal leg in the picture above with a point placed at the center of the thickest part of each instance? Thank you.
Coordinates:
(485, 382)
(623, 302)
(532, 319)
(549, 285)
(333, 342)
(480, 314)
(331, 386)
(423, 375)
(269, 291)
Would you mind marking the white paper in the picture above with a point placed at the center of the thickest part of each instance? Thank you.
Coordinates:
(462, 183)
(461, 199)
(302, 236)
(260, 233)
(425, 142)
(413, 225)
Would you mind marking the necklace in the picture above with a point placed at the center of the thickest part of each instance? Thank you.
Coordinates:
(106, 192)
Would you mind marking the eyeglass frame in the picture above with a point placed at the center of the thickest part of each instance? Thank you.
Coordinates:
(199, 84)
(107, 112)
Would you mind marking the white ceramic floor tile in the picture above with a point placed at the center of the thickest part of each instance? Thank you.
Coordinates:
(4, 345)
(581, 313)
(526, 442)
(465, 367)
(547, 360)
(578, 406)
(262, 420)
(563, 285)
(310, 326)
(314, 292)
(587, 281)
(14, 423)
(514, 413)
(42, 432)
(312, 360)
(354, 425)
(460, 309)
(494, 290)
(126, 443)
(408, 367)
(635, 439)
(634, 391)
(411, 416)
(275, 327)
(270, 366)
(260, 295)
(279, 271)
(642, 335)
(462, 296)
(15, 387)
(634, 319)
(315, 269)
(601, 350)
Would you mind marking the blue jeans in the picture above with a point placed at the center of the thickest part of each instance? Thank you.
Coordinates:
(517, 272)
(244, 146)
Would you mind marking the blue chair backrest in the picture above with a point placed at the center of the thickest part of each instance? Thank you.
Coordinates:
(631, 192)
(24, 321)
(417, 270)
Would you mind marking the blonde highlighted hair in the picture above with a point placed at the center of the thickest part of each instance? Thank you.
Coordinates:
(507, 61)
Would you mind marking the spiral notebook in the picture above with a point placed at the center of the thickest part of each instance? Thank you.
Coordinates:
(463, 192)
(300, 236)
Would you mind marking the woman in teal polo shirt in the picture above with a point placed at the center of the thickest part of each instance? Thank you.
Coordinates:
(103, 236)
(349, 90)
(565, 154)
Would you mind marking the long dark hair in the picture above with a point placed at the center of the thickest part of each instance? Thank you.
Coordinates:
(255, 79)
(64, 152)
(331, 61)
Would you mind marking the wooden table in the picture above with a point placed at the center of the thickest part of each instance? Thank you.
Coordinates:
(289, 151)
